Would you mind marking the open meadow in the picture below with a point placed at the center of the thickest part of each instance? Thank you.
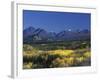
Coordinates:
(56, 54)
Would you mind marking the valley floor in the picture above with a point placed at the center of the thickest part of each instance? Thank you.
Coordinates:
(57, 54)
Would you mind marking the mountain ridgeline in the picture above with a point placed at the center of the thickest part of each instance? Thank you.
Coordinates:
(32, 35)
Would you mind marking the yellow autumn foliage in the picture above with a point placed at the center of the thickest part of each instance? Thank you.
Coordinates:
(61, 52)
(27, 65)
(87, 54)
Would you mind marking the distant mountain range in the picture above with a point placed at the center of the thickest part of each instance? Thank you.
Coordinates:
(31, 34)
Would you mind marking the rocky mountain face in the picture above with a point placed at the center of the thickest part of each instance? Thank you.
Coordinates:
(31, 34)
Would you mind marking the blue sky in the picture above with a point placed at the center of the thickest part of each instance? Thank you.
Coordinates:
(56, 21)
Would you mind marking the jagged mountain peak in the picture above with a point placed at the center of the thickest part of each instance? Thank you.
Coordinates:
(41, 34)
